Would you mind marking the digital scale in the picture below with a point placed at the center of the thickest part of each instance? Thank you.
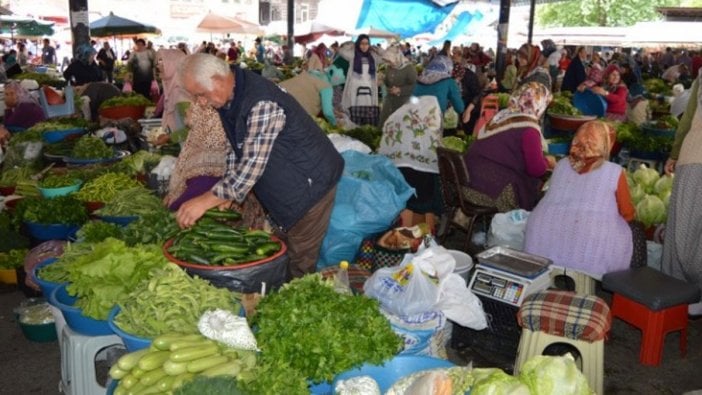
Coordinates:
(501, 280)
(508, 275)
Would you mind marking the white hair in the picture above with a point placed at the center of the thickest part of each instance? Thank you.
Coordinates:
(201, 68)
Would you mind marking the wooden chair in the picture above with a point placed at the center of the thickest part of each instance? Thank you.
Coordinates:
(454, 179)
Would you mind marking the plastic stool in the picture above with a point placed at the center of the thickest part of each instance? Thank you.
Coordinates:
(653, 302)
(78, 356)
(584, 284)
(559, 317)
(59, 321)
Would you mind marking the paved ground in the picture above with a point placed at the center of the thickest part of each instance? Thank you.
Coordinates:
(34, 368)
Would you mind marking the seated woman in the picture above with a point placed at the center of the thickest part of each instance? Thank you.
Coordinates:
(582, 221)
(614, 91)
(436, 81)
(22, 110)
(506, 161)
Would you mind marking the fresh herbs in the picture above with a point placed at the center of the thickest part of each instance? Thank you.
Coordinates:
(105, 187)
(153, 228)
(12, 259)
(97, 231)
(132, 99)
(132, 202)
(89, 147)
(65, 210)
(320, 332)
(562, 105)
(58, 181)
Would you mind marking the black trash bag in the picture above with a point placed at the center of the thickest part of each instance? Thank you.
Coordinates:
(246, 279)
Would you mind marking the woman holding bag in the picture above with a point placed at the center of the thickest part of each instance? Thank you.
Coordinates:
(360, 97)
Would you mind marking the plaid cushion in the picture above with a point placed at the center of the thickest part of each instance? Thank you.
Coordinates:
(567, 314)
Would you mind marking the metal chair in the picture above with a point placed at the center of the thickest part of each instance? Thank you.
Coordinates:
(454, 179)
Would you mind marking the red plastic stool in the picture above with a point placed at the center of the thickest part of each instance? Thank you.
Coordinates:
(654, 303)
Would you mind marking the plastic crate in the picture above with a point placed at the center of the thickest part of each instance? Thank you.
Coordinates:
(502, 335)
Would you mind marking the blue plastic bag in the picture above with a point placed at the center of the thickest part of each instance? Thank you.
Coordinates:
(369, 196)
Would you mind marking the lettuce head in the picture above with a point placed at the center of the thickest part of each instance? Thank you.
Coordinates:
(651, 210)
(554, 375)
(493, 381)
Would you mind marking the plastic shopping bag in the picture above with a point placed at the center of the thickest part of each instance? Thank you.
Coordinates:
(403, 290)
(369, 197)
(507, 229)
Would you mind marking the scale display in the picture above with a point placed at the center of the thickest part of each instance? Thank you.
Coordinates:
(506, 287)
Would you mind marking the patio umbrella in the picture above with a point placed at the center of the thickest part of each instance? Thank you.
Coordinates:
(18, 26)
(213, 23)
(307, 32)
(113, 25)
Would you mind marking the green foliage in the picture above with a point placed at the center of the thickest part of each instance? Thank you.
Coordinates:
(130, 99)
(42, 79)
(58, 181)
(12, 259)
(89, 147)
(97, 231)
(367, 134)
(562, 104)
(600, 12)
(320, 332)
(218, 385)
(60, 210)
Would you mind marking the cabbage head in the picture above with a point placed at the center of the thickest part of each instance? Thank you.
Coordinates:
(651, 210)
(454, 143)
(665, 197)
(553, 375)
(663, 184)
(493, 381)
(637, 193)
(646, 177)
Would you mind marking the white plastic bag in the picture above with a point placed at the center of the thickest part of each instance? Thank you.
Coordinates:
(459, 304)
(403, 290)
(507, 229)
(342, 143)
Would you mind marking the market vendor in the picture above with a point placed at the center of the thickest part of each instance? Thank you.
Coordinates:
(582, 221)
(22, 110)
(276, 150)
(614, 91)
(506, 161)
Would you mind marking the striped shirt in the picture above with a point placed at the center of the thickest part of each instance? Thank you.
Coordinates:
(265, 120)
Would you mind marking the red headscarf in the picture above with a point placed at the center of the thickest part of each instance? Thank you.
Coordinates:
(532, 54)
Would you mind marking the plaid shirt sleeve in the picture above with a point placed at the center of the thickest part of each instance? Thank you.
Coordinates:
(265, 120)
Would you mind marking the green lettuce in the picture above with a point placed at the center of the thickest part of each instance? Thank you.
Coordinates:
(651, 211)
(553, 375)
(494, 381)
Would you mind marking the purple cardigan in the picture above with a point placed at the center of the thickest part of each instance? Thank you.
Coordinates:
(24, 115)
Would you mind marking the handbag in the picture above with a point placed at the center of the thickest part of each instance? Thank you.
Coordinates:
(365, 115)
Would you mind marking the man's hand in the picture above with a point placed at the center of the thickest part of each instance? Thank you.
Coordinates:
(192, 210)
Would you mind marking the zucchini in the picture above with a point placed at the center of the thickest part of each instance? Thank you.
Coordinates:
(163, 342)
(117, 373)
(129, 361)
(257, 233)
(153, 360)
(150, 378)
(128, 381)
(205, 363)
(181, 379)
(165, 384)
(192, 353)
(177, 345)
(231, 368)
(222, 214)
(175, 368)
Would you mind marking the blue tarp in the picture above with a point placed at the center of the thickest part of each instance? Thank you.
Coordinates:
(404, 17)
(462, 27)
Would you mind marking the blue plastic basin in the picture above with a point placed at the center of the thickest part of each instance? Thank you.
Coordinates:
(74, 315)
(387, 374)
(590, 103)
(132, 342)
(47, 287)
(54, 136)
(51, 231)
(62, 191)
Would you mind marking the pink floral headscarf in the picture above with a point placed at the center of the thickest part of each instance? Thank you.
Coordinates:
(526, 106)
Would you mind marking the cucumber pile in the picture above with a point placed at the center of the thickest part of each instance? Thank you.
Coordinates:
(174, 359)
(211, 241)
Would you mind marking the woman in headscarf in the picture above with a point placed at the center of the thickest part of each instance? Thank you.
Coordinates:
(84, 69)
(361, 89)
(22, 110)
(318, 58)
(582, 221)
(509, 77)
(506, 162)
(410, 137)
(682, 247)
(400, 78)
(436, 81)
(615, 92)
(167, 62)
(531, 67)
(202, 162)
(575, 74)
